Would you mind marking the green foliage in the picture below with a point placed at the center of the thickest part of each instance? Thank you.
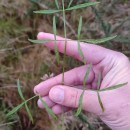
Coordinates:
(113, 87)
(57, 4)
(71, 1)
(47, 11)
(56, 49)
(47, 108)
(100, 102)
(82, 6)
(99, 41)
(81, 97)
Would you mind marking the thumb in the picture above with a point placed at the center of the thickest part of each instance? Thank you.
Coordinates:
(69, 96)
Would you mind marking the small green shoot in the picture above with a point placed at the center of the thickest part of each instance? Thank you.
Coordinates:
(84, 85)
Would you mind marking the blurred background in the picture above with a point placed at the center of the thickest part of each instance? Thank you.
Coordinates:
(32, 63)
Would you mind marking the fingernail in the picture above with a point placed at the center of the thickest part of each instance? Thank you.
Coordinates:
(57, 95)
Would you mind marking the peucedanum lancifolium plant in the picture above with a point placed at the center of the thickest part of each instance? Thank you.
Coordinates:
(63, 10)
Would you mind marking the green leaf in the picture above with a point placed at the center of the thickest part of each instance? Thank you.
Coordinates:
(80, 104)
(57, 4)
(15, 110)
(81, 97)
(113, 87)
(41, 41)
(56, 49)
(81, 52)
(47, 11)
(99, 81)
(82, 6)
(79, 27)
(19, 90)
(86, 75)
(70, 3)
(29, 112)
(98, 41)
(100, 102)
(47, 108)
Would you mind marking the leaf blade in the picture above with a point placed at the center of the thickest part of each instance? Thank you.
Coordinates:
(57, 4)
(80, 27)
(100, 102)
(14, 110)
(47, 11)
(19, 90)
(99, 41)
(56, 49)
(82, 6)
(47, 108)
(81, 97)
(113, 87)
(40, 41)
(70, 3)
(29, 112)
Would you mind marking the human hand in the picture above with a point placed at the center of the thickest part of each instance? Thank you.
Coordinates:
(114, 68)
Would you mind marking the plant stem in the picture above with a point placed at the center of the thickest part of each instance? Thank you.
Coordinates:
(64, 58)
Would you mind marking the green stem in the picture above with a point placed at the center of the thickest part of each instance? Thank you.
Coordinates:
(64, 58)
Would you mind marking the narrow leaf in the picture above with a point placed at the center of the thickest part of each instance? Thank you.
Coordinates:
(80, 104)
(100, 102)
(15, 110)
(86, 75)
(81, 97)
(99, 81)
(98, 41)
(40, 41)
(81, 52)
(47, 108)
(29, 112)
(47, 11)
(70, 3)
(113, 87)
(19, 90)
(56, 49)
(57, 4)
(79, 27)
(82, 6)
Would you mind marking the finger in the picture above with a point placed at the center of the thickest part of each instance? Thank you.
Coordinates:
(46, 99)
(58, 109)
(92, 53)
(69, 97)
(73, 77)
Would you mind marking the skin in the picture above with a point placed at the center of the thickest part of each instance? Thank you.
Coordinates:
(114, 68)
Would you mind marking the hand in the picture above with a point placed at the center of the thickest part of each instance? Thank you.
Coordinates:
(114, 68)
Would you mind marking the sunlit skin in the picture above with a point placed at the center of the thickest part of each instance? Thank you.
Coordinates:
(115, 69)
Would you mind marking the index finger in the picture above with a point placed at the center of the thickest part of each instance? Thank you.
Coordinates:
(92, 53)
